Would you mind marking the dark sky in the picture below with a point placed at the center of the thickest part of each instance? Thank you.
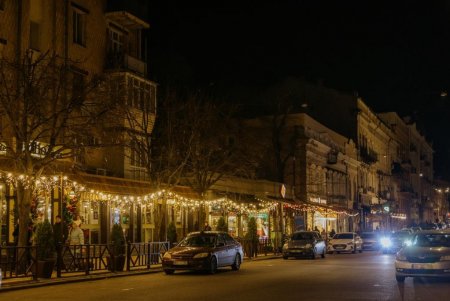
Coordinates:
(395, 54)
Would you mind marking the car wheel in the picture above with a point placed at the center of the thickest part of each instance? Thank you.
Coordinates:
(400, 278)
(237, 263)
(338, 252)
(285, 257)
(323, 253)
(360, 250)
(354, 249)
(313, 256)
(169, 272)
(213, 265)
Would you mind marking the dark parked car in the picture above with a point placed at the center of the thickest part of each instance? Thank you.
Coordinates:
(304, 244)
(393, 242)
(427, 256)
(206, 250)
(371, 241)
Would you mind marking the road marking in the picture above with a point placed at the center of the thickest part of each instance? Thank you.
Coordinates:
(127, 289)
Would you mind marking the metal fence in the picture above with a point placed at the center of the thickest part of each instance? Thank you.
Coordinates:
(253, 248)
(16, 262)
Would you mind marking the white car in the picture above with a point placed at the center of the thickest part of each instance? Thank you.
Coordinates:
(345, 242)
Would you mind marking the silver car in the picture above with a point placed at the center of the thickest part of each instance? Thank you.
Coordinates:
(304, 244)
(427, 256)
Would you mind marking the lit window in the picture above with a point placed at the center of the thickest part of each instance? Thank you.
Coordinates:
(79, 27)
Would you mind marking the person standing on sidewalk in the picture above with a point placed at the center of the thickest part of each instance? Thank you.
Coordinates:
(60, 231)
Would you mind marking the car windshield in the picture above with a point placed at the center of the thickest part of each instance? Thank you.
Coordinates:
(302, 236)
(401, 234)
(369, 235)
(198, 241)
(343, 236)
(432, 240)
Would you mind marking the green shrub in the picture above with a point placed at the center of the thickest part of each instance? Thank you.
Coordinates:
(252, 233)
(171, 233)
(222, 225)
(43, 239)
(117, 240)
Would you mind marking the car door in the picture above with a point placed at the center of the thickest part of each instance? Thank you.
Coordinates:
(320, 246)
(358, 242)
(221, 251)
(233, 248)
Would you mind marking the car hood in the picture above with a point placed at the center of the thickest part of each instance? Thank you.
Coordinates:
(189, 250)
(341, 241)
(299, 243)
(425, 251)
(370, 240)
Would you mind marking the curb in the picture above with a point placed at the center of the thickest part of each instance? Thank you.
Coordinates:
(74, 279)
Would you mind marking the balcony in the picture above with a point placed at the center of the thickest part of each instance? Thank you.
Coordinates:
(368, 155)
(128, 14)
(121, 61)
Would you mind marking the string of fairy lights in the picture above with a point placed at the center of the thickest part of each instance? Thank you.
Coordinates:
(73, 188)
(314, 208)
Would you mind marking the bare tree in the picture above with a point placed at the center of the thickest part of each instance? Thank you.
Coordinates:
(46, 110)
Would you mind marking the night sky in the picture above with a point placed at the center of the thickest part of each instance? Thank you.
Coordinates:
(394, 54)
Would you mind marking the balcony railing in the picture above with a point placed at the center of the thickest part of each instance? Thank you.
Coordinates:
(120, 61)
(368, 155)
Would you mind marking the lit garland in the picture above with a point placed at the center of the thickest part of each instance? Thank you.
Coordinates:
(119, 201)
(313, 208)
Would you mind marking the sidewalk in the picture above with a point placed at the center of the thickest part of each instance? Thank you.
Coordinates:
(24, 283)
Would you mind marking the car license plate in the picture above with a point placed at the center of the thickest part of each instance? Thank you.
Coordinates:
(296, 251)
(419, 266)
(339, 247)
(179, 262)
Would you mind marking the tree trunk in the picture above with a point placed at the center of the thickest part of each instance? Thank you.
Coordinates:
(24, 196)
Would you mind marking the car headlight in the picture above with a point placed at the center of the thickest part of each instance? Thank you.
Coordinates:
(201, 255)
(307, 246)
(408, 242)
(286, 246)
(167, 255)
(401, 257)
(386, 242)
(445, 258)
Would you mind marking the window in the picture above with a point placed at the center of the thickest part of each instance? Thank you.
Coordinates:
(79, 27)
(139, 94)
(34, 35)
(78, 86)
(116, 38)
(137, 157)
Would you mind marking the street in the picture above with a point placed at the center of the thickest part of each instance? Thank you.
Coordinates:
(366, 276)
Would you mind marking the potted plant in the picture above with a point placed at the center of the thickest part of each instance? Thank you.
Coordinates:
(45, 244)
(117, 249)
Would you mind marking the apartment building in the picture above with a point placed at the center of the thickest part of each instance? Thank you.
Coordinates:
(104, 38)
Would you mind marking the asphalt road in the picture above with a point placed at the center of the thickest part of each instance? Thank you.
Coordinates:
(366, 276)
